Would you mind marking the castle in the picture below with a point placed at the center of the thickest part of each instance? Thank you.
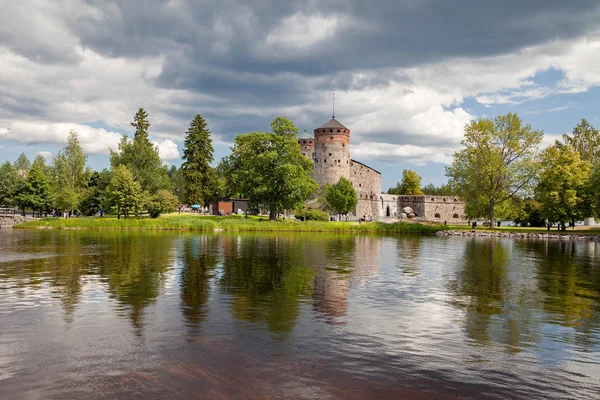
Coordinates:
(329, 149)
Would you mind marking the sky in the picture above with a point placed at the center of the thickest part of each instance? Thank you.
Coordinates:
(408, 74)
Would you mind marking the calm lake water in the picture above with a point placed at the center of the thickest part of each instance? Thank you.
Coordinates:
(183, 315)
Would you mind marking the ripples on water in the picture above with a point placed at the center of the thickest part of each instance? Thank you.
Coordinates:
(155, 315)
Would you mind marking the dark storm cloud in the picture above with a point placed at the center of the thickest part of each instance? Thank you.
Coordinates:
(220, 49)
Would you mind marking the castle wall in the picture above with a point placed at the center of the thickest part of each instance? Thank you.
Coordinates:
(434, 208)
(367, 183)
(388, 206)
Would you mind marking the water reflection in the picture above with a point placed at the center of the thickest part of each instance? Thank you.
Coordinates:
(350, 315)
(266, 276)
(199, 257)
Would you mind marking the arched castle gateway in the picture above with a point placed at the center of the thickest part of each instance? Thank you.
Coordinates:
(329, 149)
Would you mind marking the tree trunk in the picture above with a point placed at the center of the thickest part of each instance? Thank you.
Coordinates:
(273, 214)
(492, 221)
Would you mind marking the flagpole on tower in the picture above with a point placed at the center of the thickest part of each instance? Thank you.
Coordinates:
(333, 103)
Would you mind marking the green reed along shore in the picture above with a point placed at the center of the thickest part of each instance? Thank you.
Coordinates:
(230, 223)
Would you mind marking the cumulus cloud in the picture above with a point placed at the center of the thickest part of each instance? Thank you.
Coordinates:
(167, 149)
(93, 140)
(402, 69)
(46, 154)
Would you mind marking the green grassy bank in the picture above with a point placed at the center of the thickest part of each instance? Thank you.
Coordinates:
(231, 223)
(521, 229)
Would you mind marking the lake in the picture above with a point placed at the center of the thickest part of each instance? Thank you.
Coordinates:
(88, 314)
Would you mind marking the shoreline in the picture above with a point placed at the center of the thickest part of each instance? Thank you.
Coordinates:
(519, 235)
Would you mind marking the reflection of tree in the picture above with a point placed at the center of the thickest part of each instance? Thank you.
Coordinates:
(134, 266)
(570, 280)
(199, 257)
(61, 262)
(480, 288)
(266, 278)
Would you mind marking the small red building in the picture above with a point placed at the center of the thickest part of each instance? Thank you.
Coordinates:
(230, 205)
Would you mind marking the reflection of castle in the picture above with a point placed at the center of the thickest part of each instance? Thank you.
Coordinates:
(348, 262)
(330, 151)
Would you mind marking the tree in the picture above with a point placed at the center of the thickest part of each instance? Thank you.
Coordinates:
(93, 196)
(283, 126)
(562, 178)
(71, 174)
(141, 157)
(443, 190)
(10, 184)
(200, 179)
(411, 184)
(340, 197)
(22, 165)
(123, 193)
(270, 170)
(37, 192)
(585, 139)
(178, 182)
(499, 160)
(162, 202)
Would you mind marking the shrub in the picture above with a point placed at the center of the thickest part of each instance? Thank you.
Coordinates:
(312, 215)
(162, 202)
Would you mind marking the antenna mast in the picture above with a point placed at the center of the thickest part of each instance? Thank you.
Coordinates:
(333, 103)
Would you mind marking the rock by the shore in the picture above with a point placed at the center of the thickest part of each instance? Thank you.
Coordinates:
(403, 215)
(520, 235)
(408, 210)
(8, 222)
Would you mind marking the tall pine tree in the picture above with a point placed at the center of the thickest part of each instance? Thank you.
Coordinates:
(37, 192)
(71, 174)
(200, 179)
(141, 157)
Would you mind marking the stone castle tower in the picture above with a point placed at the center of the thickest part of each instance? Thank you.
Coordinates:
(331, 152)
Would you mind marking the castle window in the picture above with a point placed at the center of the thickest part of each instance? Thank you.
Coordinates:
(325, 160)
(304, 142)
(329, 154)
(432, 199)
(455, 200)
(331, 130)
(437, 215)
(455, 216)
(444, 199)
(360, 185)
(338, 131)
(331, 137)
(339, 161)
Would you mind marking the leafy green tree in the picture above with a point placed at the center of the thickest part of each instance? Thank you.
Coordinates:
(443, 190)
(124, 193)
(162, 202)
(562, 178)
(585, 139)
(22, 164)
(71, 174)
(94, 194)
(141, 157)
(270, 170)
(411, 184)
(200, 179)
(528, 213)
(498, 161)
(283, 126)
(37, 192)
(340, 197)
(178, 182)
(10, 185)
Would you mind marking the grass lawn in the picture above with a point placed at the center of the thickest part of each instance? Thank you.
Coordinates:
(229, 223)
(521, 229)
